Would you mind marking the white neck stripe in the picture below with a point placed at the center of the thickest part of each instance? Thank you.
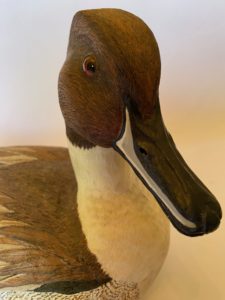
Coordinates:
(125, 144)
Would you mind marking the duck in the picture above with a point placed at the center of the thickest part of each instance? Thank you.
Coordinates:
(92, 221)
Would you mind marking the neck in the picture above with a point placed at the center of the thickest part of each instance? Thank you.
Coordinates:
(99, 170)
(117, 213)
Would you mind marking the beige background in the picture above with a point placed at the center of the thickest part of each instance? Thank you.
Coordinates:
(191, 37)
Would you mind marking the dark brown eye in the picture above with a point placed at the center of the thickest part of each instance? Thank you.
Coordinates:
(89, 65)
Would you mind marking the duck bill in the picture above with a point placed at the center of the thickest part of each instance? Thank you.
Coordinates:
(149, 149)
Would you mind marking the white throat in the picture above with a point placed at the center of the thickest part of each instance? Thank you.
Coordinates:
(100, 169)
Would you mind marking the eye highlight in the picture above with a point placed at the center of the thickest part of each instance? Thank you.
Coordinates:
(89, 66)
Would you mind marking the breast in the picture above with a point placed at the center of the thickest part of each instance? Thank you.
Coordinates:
(126, 231)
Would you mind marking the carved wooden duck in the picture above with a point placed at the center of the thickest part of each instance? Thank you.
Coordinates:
(105, 233)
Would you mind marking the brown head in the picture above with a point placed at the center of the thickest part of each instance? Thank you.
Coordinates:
(108, 92)
(103, 69)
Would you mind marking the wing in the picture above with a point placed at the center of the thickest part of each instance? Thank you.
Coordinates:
(41, 240)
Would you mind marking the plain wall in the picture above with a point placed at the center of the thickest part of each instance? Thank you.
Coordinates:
(34, 36)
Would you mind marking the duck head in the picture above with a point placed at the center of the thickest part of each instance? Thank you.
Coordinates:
(108, 92)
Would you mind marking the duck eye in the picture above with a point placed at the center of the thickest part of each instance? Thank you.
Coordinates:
(89, 66)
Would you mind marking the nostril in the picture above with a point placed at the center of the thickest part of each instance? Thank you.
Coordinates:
(143, 151)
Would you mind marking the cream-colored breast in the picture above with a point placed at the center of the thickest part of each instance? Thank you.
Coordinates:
(124, 226)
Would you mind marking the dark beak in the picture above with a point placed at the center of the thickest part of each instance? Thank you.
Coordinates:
(151, 152)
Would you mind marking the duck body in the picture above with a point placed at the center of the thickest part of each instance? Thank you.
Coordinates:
(41, 225)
